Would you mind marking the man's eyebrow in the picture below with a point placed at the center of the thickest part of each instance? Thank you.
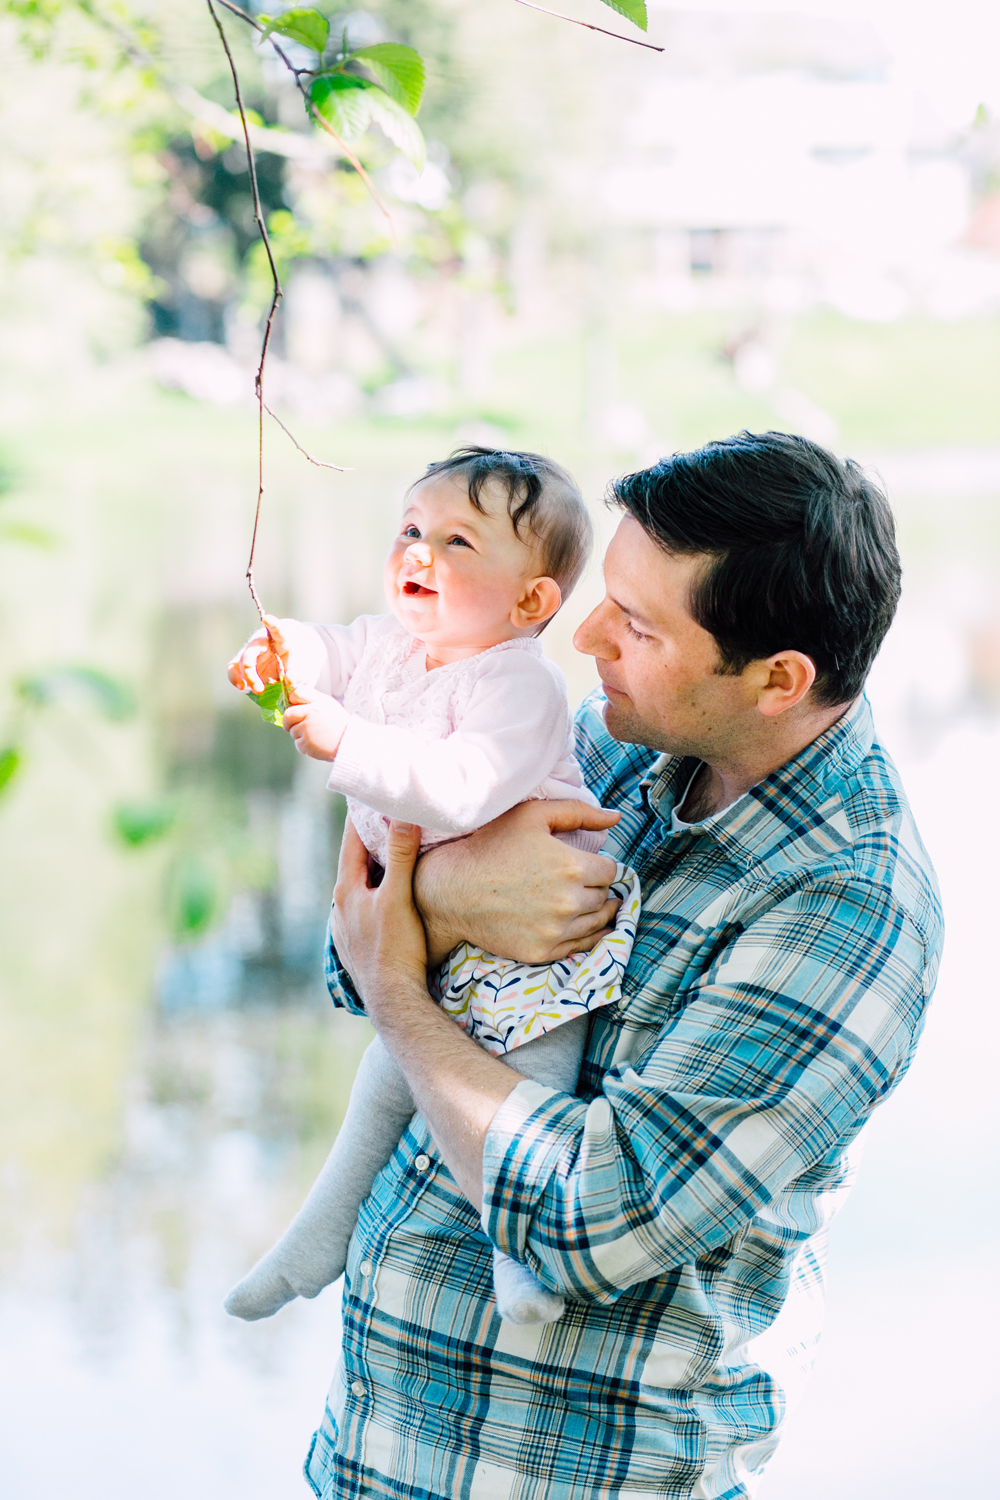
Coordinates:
(633, 614)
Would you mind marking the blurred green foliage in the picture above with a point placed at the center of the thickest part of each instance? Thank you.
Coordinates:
(197, 893)
(113, 699)
(11, 760)
(141, 823)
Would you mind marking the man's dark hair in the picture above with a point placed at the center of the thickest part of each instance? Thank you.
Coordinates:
(543, 501)
(802, 548)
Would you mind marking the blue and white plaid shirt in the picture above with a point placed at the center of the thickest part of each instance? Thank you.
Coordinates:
(784, 958)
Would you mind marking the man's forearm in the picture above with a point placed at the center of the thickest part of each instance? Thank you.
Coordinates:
(457, 1087)
(433, 880)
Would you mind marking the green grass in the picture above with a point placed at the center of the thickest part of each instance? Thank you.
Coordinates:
(912, 384)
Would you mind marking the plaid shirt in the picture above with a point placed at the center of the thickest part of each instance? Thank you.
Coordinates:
(784, 958)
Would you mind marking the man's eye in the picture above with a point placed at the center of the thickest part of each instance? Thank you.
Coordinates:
(636, 634)
(457, 541)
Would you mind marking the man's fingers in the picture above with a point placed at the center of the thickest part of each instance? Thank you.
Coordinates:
(596, 869)
(589, 902)
(566, 817)
(579, 945)
(352, 868)
(402, 848)
(594, 922)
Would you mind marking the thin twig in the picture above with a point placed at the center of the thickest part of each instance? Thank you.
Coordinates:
(354, 163)
(320, 464)
(258, 214)
(618, 35)
(243, 15)
(298, 74)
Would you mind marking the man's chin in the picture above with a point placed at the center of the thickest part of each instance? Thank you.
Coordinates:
(621, 724)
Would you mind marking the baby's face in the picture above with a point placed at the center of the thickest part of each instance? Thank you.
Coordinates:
(453, 574)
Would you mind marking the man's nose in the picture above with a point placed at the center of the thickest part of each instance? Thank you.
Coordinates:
(591, 639)
(419, 554)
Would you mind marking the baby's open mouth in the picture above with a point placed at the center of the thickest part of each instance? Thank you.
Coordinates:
(412, 588)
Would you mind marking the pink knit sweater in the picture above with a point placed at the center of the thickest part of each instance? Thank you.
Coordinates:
(450, 749)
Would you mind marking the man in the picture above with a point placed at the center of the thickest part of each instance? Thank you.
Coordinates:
(788, 944)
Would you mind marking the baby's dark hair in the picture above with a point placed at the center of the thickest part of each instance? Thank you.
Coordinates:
(541, 496)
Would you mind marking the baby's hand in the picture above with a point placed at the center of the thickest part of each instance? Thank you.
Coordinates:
(263, 659)
(316, 722)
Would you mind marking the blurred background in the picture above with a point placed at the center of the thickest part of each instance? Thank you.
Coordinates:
(786, 219)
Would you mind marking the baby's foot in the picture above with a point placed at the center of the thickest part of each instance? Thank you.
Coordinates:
(520, 1297)
(287, 1271)
(261, 1293)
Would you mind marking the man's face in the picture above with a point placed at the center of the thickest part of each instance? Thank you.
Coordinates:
(659, 667)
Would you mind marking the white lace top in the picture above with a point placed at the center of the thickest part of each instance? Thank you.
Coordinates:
(449, 749)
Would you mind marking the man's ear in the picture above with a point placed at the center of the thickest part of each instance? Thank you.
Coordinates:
(540, 599)
(790, 675)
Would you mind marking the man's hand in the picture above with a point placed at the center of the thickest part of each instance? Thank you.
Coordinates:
(514, 890)
(456, 1086)
(376, 930)
(316, 722)
(263, 659)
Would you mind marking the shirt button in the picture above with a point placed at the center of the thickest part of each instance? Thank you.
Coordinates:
(366, 1268)
(358, 1387)
(422, 1162)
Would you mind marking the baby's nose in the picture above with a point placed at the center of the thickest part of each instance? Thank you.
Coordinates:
(420, 554)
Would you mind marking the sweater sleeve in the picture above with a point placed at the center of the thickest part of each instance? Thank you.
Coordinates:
(513, 733)
(325, 657)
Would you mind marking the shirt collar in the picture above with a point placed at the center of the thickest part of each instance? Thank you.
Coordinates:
(794, 798)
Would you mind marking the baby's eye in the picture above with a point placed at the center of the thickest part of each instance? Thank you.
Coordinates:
(457, 541)
(412, 532)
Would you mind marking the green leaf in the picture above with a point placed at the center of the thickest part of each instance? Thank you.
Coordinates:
(138, 823)
(400, 126)
(632, 10)
(27, 534)
(111, 698)
(197, 897)
(307, 27)
(344, 101)
(11, 760)
(272, 703)
(399, 69)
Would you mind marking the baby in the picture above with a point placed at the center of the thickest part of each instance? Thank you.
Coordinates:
(445, 713)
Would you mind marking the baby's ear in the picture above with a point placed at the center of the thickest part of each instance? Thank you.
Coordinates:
(539, 601)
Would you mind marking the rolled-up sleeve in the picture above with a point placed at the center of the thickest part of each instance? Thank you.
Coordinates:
(338, 981)
(782, 1049)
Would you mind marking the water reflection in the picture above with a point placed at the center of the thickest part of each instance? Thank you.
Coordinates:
(120, 1343)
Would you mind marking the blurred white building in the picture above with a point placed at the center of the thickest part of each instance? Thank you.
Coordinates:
(790, 153)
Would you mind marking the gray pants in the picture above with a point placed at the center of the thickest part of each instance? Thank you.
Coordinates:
(313, 1250)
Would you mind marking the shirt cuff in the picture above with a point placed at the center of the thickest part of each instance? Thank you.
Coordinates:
(533, 1129)
(338, 981)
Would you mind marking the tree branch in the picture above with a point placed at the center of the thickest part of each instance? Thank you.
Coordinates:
(319, 462)
(354, 163)
(618, 35)
(258, 214)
